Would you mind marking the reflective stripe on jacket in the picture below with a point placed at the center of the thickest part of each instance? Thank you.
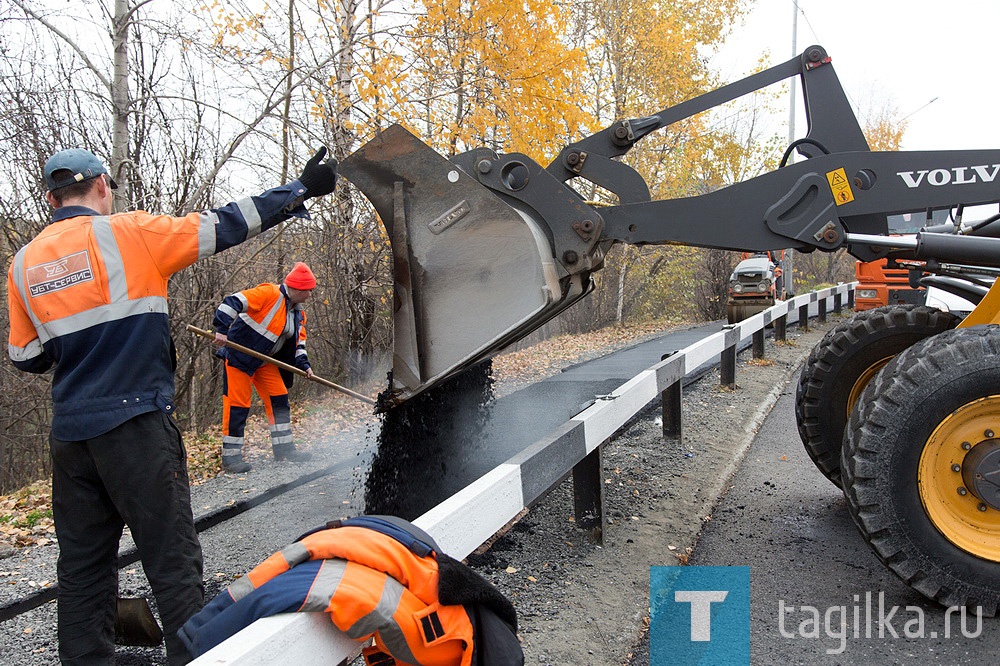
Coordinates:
(258, 318)
(88, 296)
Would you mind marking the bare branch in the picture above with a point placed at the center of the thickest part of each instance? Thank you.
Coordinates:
(252, 125)
(66, 38)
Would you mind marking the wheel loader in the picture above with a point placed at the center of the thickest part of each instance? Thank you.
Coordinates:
(899, 406)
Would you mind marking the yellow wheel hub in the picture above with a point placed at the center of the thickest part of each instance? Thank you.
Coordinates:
(862, 382)
(953, 508)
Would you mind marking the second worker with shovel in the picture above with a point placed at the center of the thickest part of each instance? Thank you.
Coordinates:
(269, 319)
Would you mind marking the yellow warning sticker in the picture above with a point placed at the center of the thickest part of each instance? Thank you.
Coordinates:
(840, 186)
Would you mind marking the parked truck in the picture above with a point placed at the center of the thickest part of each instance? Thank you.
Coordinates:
(897, 405)
(881, 282)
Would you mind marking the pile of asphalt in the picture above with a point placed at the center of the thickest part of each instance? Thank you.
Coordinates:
(417, 439)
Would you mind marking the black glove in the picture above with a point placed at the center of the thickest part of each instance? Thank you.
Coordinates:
(319, 179)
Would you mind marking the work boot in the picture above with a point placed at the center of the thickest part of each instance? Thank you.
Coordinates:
(235, 464)
(289, 453)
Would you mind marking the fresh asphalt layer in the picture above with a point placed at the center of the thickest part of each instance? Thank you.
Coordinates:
(818, 594)
(468, 440)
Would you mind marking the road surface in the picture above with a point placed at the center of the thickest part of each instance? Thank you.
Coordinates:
(818, 593)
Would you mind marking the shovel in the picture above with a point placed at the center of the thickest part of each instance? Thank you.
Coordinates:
(283, 366)
(135, 624)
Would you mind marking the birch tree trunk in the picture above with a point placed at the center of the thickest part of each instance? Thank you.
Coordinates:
(120, 102)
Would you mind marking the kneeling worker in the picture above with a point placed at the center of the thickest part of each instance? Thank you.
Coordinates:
(271, 320)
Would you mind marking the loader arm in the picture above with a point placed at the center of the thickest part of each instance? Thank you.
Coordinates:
(488, 247)
(833, 126)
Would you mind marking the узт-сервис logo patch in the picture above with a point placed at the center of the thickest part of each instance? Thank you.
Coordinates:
(59, 274)
(699, 615)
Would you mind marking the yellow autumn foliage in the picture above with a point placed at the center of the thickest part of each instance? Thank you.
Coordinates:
(647, 57)
(489, 72)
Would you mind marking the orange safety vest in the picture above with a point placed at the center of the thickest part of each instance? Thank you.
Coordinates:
(364, 567)
(89, 285)
(88, 295)
(263, 319)
(372, 585)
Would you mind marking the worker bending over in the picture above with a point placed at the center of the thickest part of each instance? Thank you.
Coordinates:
(376, 577)
(271, 320)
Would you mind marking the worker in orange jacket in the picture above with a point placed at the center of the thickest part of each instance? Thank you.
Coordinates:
(269, 319)
(380, 578)
(87, 299)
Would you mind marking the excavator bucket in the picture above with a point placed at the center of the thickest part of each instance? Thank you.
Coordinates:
(471, 273)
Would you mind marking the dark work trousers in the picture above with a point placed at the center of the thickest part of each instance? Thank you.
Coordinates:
(135, 475)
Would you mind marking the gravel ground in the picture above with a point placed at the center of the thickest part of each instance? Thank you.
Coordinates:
(578, 602)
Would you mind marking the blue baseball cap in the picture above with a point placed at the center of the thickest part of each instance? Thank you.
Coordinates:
(82, 165)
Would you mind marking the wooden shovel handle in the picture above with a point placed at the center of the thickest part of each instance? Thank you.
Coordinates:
(283, 366)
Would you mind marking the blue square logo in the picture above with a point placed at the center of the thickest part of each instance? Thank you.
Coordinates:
(699, 615)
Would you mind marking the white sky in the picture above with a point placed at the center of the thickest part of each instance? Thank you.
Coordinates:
(906, 51)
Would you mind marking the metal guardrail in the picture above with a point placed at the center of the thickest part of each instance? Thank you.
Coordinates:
(469, 518)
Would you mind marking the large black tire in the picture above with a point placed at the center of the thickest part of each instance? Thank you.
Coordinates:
(908, 451)
(842, 364)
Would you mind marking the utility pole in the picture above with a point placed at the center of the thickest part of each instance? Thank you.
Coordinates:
(788, 264)
(795, 80)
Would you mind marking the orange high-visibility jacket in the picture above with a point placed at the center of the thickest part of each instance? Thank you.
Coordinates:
(89, 296)
(373, 586)
(262, 319)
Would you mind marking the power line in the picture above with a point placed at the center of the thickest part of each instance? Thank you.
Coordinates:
(918, 109)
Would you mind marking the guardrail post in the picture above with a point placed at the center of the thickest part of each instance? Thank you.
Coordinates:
(671, 407)
(821, 308)
(837, 302)
(758, 344)
(779, 327)
(588, 494)
(727, 360)
(804, 317)
(850, 299)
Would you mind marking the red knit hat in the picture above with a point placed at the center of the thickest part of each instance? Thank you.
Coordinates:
(300, 277)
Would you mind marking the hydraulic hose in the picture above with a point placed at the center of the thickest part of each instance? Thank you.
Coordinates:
(976, 250)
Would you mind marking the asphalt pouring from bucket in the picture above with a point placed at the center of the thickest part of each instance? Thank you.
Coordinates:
(421, 440)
